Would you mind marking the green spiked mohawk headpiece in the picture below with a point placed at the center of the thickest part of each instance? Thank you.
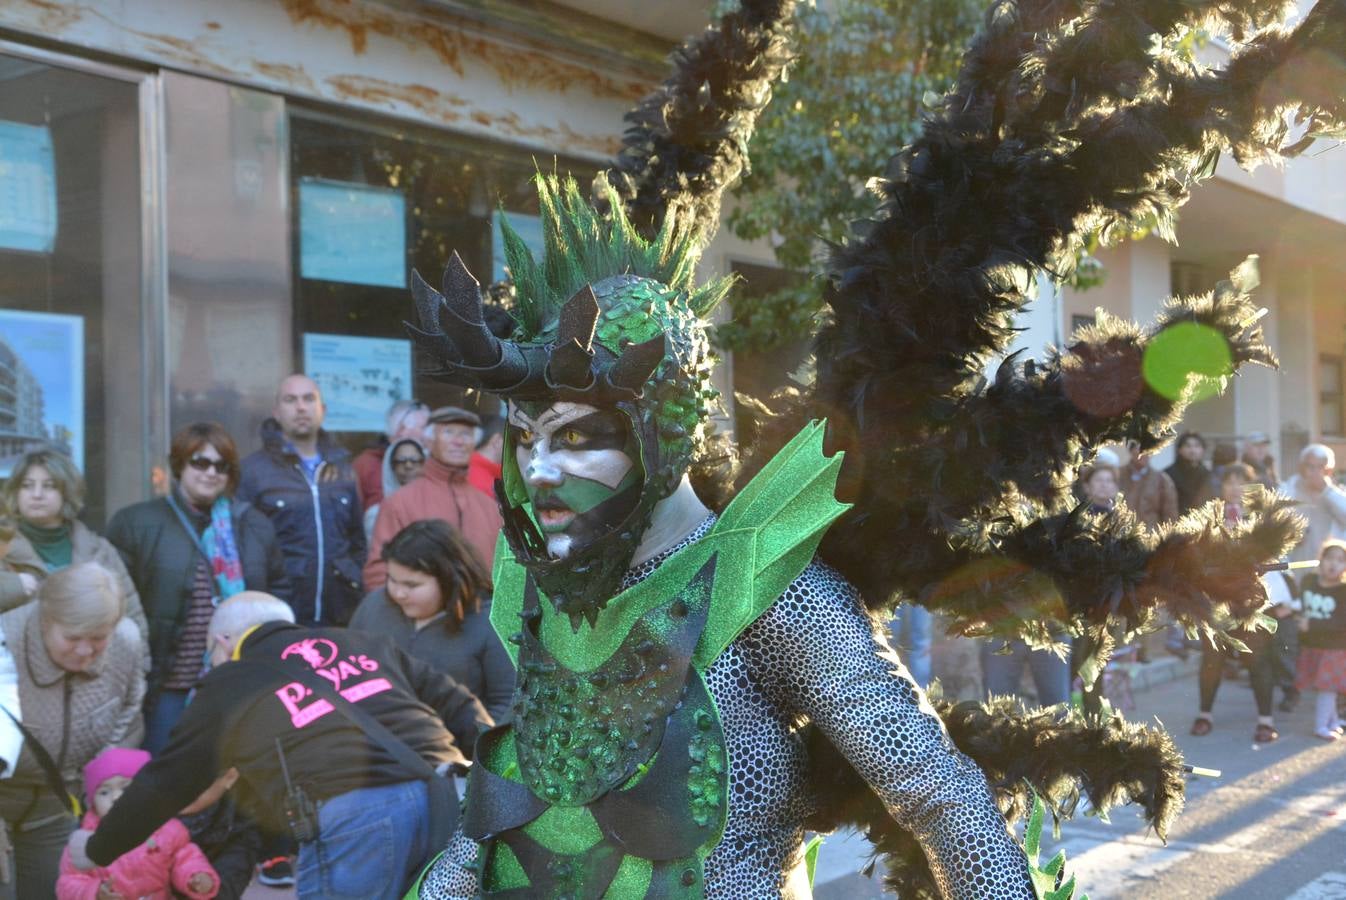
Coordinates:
(604, 318)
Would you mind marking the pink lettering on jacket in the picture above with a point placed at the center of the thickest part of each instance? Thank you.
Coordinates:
(365, 689)
(322, 655)
(300, 716)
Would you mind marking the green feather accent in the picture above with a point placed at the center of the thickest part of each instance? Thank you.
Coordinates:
(1045, 878)
(811, 850)
(583, 246)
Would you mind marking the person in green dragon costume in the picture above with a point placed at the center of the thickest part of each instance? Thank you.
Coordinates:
(668, 658)
(697, 689)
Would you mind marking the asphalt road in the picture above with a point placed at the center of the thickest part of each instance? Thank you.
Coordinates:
(1272, 826)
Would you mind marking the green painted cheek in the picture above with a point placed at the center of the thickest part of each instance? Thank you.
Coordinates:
(582, 495)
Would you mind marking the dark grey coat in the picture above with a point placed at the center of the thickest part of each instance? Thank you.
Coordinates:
(161, 558)
(473, 657)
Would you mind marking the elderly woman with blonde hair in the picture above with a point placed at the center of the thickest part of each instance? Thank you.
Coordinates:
(71, 684)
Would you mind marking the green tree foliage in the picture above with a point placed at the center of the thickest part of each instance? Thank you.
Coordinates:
(853, 97)
(863, 73)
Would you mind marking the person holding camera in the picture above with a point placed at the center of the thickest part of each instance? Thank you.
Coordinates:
(337, 736)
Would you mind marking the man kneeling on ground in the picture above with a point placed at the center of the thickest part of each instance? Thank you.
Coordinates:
(336, 735)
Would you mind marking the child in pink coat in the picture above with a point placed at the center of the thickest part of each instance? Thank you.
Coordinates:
(167, 861)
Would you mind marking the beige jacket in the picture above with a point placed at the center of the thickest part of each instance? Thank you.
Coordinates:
(85, 546)
(75, 716)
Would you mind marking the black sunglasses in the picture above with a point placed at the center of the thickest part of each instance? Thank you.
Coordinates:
(408, 460)
(205, 464)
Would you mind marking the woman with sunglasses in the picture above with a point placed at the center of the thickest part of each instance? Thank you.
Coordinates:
(186, 552)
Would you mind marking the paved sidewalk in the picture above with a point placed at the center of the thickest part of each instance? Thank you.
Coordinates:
(1273, 825)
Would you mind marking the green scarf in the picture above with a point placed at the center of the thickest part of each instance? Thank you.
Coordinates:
(52, 544)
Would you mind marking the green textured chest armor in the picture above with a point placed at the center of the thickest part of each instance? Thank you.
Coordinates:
(612, 779)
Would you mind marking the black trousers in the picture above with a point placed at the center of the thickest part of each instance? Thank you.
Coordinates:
(1263, 662)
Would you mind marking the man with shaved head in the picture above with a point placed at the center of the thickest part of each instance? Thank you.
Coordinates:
(303, 481)
(334, 735)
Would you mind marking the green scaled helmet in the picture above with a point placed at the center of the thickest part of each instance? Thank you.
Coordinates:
(604, 318)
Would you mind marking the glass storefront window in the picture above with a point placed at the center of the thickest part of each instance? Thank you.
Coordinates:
(71, 256)
(227, 231)
(373, 202)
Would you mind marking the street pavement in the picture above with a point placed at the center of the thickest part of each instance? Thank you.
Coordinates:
(1272, 826)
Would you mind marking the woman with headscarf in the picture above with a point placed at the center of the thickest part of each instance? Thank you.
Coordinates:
(402, 463)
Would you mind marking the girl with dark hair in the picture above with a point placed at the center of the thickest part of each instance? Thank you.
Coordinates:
(436, 607)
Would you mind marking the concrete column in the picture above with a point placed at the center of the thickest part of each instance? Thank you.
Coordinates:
(1256, 390)
(1298, 407)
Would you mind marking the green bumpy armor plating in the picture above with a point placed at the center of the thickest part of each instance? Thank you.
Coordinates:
(612, 779)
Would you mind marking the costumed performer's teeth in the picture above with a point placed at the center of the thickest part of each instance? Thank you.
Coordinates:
(555, 519)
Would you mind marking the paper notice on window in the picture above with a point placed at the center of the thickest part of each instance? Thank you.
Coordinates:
(27, 188)
(41, 385)
(359, 377)
(353, 233)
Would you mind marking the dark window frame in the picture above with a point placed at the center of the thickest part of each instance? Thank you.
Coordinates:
(1337, 398)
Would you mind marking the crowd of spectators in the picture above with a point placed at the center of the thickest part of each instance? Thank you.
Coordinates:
(107, 639)
(304, 559)
(1273, 661)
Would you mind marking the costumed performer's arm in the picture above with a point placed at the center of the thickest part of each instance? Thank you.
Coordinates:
(848, 683)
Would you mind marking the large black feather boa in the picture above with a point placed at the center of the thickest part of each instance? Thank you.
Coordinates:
(1068, 118)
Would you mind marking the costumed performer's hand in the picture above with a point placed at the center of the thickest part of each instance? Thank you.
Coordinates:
(79, 839)
(202, 883)
(107, 892)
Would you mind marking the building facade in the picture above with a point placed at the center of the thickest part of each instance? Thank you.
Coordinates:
(22, 422)
(198, 198)
(1294, 220)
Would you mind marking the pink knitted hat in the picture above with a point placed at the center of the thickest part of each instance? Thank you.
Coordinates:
(110, 763)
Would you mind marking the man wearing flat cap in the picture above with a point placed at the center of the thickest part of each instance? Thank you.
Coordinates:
(1257, 453)
(442, 492)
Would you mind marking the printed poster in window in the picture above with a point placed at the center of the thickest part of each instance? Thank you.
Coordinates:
(360, 377)
(27, 188)
(41, 385)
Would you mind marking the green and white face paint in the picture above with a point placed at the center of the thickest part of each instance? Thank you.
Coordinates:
(580, 468)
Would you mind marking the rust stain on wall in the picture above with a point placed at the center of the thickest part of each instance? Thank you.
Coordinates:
(531, 65)
(445, 107)
(561, 138)
(52, 17)
(293, 76)
(420, 97)
(181, 51)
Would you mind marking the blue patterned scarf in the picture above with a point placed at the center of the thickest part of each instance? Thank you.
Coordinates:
(218, 543)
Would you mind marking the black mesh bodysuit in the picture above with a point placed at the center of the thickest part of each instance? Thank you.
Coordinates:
(815, 657)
